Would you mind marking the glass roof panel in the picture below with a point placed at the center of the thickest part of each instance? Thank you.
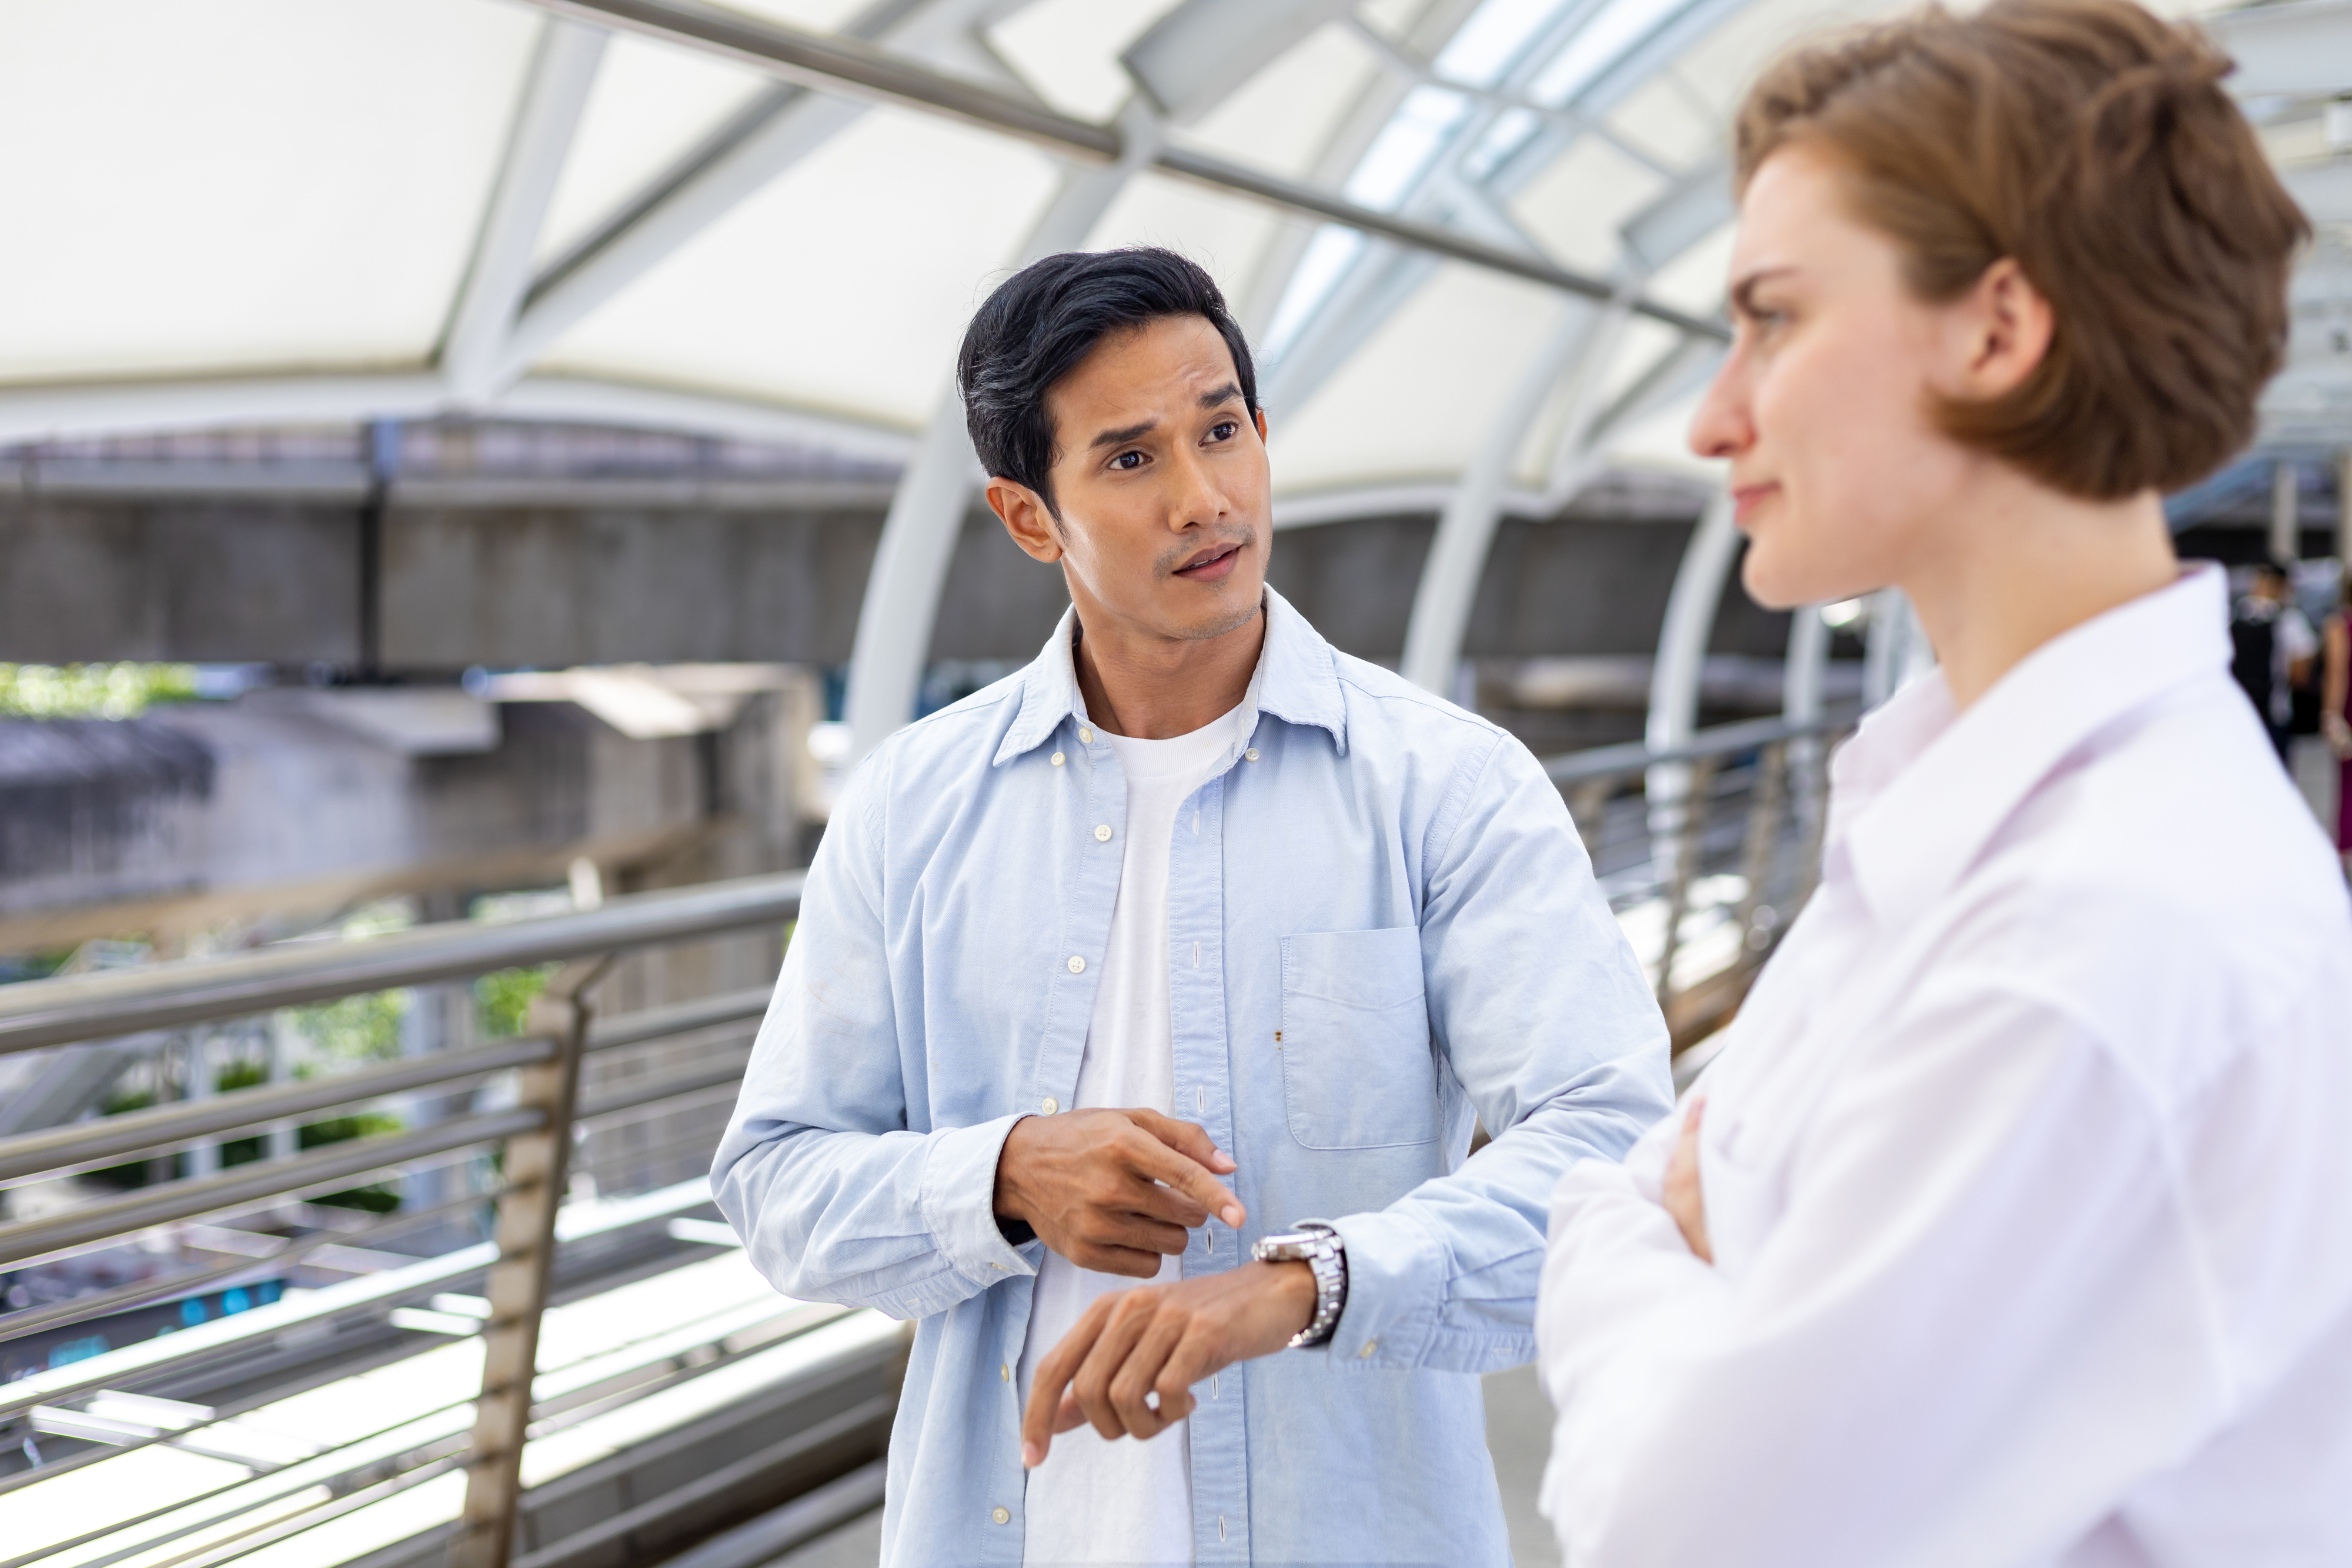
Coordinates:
(244, 184)
(1491, 41)
(651, 104)
(1407, 145)
(843, 285)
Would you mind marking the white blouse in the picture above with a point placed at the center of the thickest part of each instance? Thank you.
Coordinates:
(2028, 1165)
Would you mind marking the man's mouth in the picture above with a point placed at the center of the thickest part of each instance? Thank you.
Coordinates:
(1212, 565)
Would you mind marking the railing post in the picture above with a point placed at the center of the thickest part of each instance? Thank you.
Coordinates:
(1766, 798)
(535, 1175)
(1688, 827)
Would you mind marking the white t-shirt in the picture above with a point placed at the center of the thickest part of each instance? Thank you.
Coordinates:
(1123, 1502)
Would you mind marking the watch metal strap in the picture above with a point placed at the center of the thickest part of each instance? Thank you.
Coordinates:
(1315, 1243)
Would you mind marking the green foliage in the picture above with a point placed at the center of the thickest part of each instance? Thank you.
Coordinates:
(91, 691)
(356, 1029)
(502, 999)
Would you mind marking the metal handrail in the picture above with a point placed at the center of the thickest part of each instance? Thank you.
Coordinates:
(83, 1145)
(36, 1013)
(1634, 756)
(27, 1241)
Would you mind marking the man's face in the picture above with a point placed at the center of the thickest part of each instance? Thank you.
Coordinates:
(1161, 475)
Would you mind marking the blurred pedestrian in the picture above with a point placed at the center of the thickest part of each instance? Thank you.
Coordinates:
(2017, 1229)
(2272, 650)
(2335, 708)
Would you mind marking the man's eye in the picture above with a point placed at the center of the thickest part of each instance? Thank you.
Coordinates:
(1223, 432)
(1128, 461)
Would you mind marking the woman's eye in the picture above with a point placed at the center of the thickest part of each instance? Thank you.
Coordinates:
(1128, 461)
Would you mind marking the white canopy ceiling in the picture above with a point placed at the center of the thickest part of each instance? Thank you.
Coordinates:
(288, 210)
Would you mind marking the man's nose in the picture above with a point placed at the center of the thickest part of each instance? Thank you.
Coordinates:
(1196, 497)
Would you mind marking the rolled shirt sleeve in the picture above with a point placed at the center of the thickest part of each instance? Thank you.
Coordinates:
(1539, 1007)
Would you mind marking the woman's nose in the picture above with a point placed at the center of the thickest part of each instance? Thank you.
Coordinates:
(1721, 427)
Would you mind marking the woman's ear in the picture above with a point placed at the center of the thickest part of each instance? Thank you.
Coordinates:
(2005, 327)
(1027, 518)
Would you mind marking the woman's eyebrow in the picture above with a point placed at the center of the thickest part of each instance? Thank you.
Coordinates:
(1743, 293)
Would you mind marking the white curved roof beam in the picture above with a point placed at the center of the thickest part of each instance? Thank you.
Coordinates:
(771, 134)
(554, 93)
(878, 76)
(1344, 150)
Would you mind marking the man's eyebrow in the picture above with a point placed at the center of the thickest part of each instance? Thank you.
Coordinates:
(1743, 293)
(1124, 434)
(1229, 392)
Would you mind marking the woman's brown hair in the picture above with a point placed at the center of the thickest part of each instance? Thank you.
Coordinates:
(2093, 144)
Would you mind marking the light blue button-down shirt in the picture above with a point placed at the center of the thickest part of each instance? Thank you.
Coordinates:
(1381, 925)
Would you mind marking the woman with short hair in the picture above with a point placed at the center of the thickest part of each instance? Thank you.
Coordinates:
(2013, 1223)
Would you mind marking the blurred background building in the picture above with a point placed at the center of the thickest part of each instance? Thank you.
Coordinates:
(475, 474)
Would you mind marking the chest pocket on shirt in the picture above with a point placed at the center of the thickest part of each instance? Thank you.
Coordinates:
(1357, 1071)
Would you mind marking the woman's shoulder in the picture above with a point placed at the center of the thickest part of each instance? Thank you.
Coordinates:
(2168, 884)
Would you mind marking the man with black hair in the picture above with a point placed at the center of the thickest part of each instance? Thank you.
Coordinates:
(1120, 969)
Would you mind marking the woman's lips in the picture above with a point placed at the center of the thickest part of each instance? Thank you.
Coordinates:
(1746, 499)
(1214, 569)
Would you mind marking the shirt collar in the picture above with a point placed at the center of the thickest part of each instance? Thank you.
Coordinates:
(1921, 790)
(1297, 679)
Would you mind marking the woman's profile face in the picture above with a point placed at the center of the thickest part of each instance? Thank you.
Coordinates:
(1839, 475)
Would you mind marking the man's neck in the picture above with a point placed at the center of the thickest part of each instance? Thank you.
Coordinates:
(1156, 688)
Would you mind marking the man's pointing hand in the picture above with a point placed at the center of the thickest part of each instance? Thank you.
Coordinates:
(1113, 1190)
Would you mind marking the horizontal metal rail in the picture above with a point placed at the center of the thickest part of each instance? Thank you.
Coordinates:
(27, 1239)
(854, 68)
(1634, 757)
(659, 1023)
(39, 1013)
(82, 1145)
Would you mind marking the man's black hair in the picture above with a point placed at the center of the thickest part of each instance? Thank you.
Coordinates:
(1045, 318)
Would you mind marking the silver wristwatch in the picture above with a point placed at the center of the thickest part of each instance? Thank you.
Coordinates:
(1314, 1243)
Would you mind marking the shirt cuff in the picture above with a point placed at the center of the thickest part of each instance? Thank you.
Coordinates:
(959, 1202)
(1396, 1285)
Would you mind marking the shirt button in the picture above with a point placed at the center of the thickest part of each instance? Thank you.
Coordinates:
(1058, 759)
(1370, 1345)
(1086, 737)
(1078, 964)
(1005, 1372)
(1102, 833)
(1052, 1104)
(1002, 1515)
(1251, 753)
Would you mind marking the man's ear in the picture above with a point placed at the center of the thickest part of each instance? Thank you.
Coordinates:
(2008, 326)
(1026, 518)
(1260, 426)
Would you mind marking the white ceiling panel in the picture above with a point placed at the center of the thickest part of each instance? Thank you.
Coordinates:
(244, 184)
(843, 285)
(1417, 398)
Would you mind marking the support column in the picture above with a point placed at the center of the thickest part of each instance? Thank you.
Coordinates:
(1675, 690)
(2343, 509)
(1465, 531)
(902, 593)
(536, 1170)
(2286, 514)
